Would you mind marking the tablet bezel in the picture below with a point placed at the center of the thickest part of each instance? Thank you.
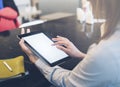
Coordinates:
(39, 55)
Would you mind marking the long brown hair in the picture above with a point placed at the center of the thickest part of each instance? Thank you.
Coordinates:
(110, 10)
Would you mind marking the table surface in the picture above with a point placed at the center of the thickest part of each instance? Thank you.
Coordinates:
(67, 27)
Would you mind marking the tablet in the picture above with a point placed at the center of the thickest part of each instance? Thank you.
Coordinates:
(41, 45)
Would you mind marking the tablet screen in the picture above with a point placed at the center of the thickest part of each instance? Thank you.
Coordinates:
(43, 46)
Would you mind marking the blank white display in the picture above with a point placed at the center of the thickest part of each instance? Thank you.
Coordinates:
(43, 45)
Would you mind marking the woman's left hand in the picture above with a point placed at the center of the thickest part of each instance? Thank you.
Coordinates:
(29, 53)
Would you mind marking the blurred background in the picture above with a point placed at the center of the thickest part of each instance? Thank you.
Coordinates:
(34, 9)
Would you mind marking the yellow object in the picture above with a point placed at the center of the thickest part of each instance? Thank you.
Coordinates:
(16, 64)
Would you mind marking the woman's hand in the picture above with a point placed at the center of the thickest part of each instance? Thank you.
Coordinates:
(68, 47)
(29, 53)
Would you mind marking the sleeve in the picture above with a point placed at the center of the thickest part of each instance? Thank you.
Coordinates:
(8, 13)
(85, 74)
(48, 71)
(90, 72)
(11, 3)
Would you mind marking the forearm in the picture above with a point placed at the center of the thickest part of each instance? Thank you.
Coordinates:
(82, 55)
(44, 68)
(54, 74)
(78, 54)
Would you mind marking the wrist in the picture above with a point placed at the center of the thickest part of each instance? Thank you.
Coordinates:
(32, 58)
(83, 55)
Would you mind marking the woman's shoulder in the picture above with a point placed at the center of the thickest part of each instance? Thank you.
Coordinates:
(105, 49)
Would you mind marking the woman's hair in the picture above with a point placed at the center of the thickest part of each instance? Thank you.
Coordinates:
(110, 10)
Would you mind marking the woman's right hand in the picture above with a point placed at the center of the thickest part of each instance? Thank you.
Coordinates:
(68, 47)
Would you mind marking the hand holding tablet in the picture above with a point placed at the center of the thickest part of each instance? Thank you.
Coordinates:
(41, 45)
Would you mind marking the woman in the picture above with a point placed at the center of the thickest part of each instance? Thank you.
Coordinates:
(100, 67)
(8, 15)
